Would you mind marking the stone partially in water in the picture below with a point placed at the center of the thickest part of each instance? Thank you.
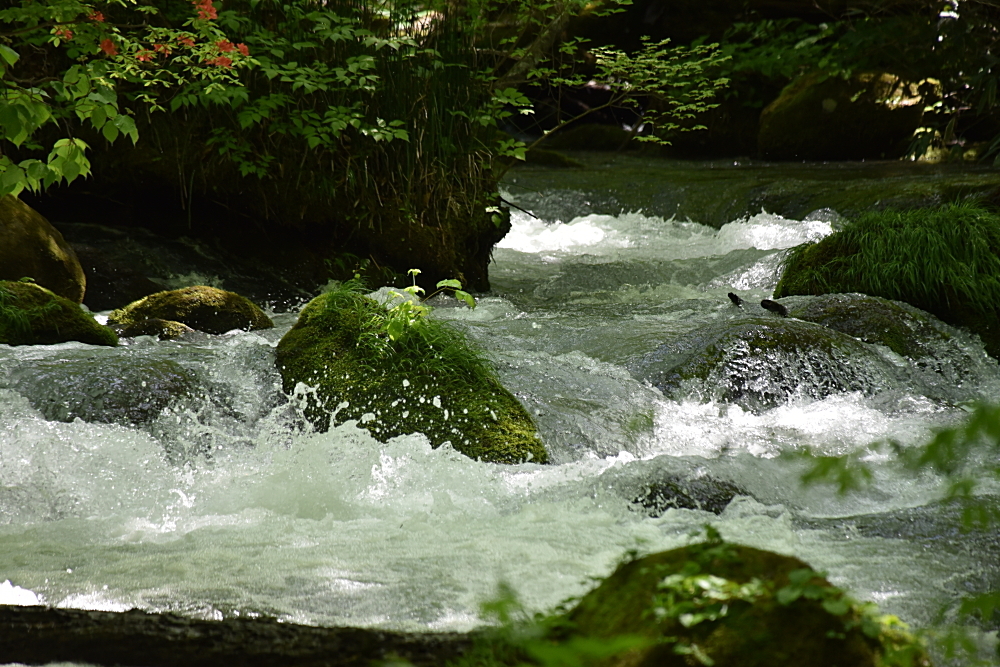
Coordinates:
(402, 386)
(760, 363)
(742, 613)
(33, 315)
(201, 307)
(106, 390)
(670, 491)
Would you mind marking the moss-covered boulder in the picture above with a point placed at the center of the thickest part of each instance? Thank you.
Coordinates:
(870, 115)
(203, 308)
(737, 607)
(33, 315)
(943, 260)
(761, 362)
(98, 389)
(427, 380)
(907, 331)
(30, 247)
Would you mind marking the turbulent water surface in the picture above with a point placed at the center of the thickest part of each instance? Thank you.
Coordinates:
(223, 503)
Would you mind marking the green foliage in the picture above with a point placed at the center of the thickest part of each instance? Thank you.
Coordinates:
(963, 455)
(62, 61)
(949, 42)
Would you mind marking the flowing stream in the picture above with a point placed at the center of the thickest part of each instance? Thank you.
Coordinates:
(223, 503)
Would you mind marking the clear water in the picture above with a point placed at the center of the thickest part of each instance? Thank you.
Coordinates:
(225, 504)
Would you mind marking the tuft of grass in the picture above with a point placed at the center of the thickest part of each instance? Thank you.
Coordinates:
(12, 317)
(944, 260)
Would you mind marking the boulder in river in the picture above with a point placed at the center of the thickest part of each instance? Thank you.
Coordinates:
(30, 247)
(427, 380)
(734, 606)
(107, 390)
(761, 362)
(33, 315)
(200, 307)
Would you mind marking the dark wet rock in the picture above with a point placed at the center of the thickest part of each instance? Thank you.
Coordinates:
(759, 363)
(759, 629)
(30, 247)
(203, 308)
(120, 390)
(153, 326)
(112, 283)
(818, 117)
(403, 389)
(907, 331)
(33, 315)
(736, 299)
(694, 493)
(42, 635)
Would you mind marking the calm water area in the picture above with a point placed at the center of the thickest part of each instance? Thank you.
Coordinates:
(226, 504)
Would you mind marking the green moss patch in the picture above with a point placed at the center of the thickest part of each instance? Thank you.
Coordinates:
(200, 307)
(428, 380)
(33, 315)
(944, 260)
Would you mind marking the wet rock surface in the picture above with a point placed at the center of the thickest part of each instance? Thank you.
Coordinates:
(761, 362)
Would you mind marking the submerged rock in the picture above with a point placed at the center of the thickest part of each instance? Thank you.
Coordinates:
(203, 308)
(737, 607)
(679, 492)
(446, 392)
(761, 362)
(152, 326)
(33, 315)
(120, 390)
(30, 247)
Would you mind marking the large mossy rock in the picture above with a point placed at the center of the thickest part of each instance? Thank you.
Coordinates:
(764, 624)
(868, 116)
(30, 247)
(907, 331)
(945, 261)
(761, 362)
(33, 315)
(441, 389)
(202, 308)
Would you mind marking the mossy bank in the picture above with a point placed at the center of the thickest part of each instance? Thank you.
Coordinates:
(944, 260)
(33, 315)
(427, 380)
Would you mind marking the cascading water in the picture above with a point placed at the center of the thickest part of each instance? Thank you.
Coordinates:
(217, 500)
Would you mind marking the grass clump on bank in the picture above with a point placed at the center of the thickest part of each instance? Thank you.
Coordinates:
(944, 260)
(397, 372)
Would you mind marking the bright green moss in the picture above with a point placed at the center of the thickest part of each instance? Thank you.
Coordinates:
(33, 315)
(944, 260)
(428, 381)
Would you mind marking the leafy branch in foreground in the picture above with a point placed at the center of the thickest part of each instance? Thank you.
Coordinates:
(964, 455)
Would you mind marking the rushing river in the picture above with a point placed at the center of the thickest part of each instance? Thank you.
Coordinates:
(225, 504)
